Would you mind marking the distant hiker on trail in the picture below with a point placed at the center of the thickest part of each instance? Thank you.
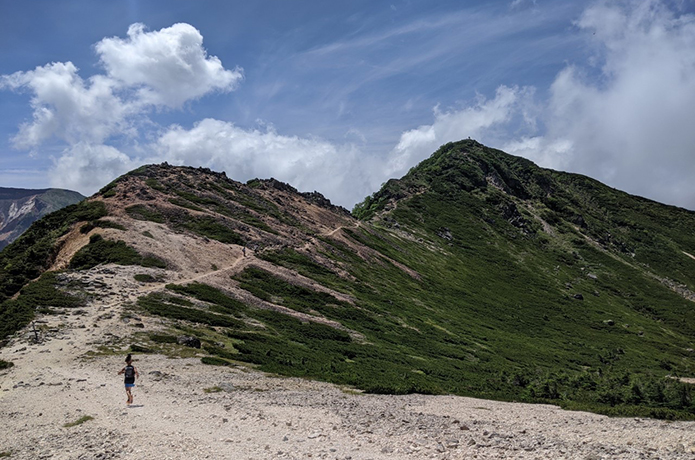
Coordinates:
(130, 374)
(244, 249)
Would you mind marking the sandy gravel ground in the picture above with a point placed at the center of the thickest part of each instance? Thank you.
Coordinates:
(251, 415)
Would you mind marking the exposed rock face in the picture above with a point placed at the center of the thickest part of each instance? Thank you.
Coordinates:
(19, 208)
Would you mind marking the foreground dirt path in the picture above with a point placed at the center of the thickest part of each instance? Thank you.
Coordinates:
(250, 415)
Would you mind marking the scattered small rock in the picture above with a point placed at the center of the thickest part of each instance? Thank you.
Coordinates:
(226, 386)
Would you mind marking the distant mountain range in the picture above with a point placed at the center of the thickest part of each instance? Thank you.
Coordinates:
(19, 208)
(477, 273)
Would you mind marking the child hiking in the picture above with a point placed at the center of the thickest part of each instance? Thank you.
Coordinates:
(130, 374)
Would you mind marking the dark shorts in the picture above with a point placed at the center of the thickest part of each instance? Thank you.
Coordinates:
(129, 385)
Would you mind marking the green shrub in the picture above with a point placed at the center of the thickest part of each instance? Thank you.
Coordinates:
(264, 285)
(33, 252)
(152, 262)
(108, 224)
(79, 421)
(185, 204)
(140, 349)
(14, 315)
(209, 294)
(5, 364)
(163, 338)
(193, 198)
(209, 227)
(154, 183)
(88, 227)
(161, 306)
(214, 389)
(143, 212)
(292, 259)
(101, 251)
(42, 293)
(220, 352)
(145, 278)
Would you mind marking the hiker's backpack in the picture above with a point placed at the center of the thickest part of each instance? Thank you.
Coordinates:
(130, 373)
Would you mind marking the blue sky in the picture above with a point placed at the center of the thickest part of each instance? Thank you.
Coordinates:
(341, 96)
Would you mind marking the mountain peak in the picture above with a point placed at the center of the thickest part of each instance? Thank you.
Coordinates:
(461, 167)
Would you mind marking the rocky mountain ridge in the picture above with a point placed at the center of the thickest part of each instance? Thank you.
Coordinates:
(478, 273)
(19, 208)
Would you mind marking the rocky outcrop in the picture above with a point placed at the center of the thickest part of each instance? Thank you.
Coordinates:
(192, 342)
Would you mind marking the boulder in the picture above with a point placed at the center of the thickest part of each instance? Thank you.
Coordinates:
(156, 375)
(445, 233)
(188, 341)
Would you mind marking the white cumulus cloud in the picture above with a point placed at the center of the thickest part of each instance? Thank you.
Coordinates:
(143, 72)
(87, 166)
(168, 66)
(147, 70)
(307, 164)
(634, 128)
(67, 107)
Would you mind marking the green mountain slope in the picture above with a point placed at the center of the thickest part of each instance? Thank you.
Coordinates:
(478, 273)
(557, 272)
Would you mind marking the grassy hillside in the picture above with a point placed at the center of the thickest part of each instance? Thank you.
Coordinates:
(477, 273)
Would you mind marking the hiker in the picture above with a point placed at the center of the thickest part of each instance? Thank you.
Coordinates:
(130, 374)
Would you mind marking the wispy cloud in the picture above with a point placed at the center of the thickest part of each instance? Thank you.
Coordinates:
(368, 41)
(455, 53)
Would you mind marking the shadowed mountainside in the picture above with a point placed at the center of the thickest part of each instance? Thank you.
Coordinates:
(19, 208)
